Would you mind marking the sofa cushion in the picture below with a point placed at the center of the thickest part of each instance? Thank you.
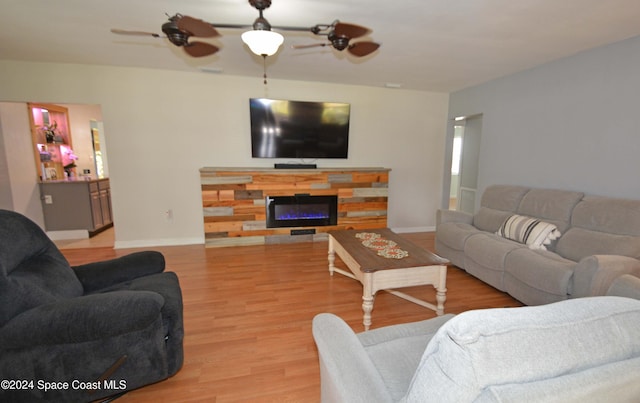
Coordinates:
(579, 243)
(605, 214)
(478, 349)
(537, 277)
(485, 256)
(490, 220)
(503, 197)
(550, 205)
(498, 202)
(534, 233)
(602, 226)
(455, 234)
(490, 250)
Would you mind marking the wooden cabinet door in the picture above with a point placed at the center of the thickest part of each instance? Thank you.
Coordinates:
(96, 210)
(105, 204)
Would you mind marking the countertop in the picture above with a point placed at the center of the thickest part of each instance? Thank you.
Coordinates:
(76, 179)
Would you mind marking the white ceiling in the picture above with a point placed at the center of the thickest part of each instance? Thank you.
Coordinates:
(433, 45)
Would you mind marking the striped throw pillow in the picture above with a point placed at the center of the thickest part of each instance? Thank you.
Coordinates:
(530, 231)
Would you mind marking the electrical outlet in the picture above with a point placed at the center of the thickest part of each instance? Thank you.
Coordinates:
(48, 199)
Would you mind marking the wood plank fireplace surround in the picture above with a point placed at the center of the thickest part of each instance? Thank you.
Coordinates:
(238, 203)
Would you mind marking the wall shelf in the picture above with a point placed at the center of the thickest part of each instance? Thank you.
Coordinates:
(51, 153)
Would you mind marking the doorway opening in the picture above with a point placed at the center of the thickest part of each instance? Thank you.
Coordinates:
(464, 136)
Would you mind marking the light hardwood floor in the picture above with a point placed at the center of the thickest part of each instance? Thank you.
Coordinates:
(103, 239)
(248, 312)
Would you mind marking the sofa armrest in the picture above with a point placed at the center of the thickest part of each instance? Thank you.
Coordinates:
(593, 275)
(81, 319)
(443, 216)
(626, 285)
(347, 374)
(99, 275)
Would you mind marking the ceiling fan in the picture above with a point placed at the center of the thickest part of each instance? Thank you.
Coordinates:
(178, 30)
(185, 31)
(340, 34)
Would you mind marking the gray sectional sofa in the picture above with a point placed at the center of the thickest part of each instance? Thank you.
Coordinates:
(594, 247)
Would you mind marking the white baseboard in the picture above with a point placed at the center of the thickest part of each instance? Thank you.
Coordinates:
(70, 234)
(413, 229)
(158, 242)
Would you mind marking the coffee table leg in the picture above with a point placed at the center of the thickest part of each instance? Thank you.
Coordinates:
(367, 300)
(441, 290)
(332, 256)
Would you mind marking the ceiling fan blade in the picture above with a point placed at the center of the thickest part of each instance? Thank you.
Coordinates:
(197, 27)
(360, 49)
(313, 45)
(136, 33)
(350, 30)
(200, 49)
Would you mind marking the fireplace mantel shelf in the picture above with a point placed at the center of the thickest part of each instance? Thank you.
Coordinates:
(285, 171)
(233, 200)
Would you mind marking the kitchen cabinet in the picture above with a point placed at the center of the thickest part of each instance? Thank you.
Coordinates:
(77, 204)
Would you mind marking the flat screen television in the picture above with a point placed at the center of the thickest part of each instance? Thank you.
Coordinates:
(299, 129)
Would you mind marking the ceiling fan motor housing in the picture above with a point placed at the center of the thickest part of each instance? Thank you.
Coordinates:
(339, 42)
(261, 23)
(260, 4)
(174, 34)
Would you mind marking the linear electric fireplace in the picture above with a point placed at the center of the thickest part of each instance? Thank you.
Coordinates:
(301, 211)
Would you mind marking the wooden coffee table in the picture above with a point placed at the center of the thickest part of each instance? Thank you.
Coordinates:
(376, 272)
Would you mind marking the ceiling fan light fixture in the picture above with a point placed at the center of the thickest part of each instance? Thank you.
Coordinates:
(263, 42)
(180, 29)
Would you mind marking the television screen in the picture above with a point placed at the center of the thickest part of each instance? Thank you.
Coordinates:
(299, 129)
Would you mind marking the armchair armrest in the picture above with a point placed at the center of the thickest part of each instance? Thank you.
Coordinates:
(594, 274)
(347, 374)
(99, 275)
(443, 216)
(87, 318)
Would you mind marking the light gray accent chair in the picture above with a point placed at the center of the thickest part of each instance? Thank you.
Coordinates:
(600, 241)
(578, 350)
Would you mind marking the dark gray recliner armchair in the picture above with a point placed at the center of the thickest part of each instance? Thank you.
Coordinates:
(92, 331)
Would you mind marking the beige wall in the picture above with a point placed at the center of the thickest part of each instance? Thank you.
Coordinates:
(162, 126)
(20, 164)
